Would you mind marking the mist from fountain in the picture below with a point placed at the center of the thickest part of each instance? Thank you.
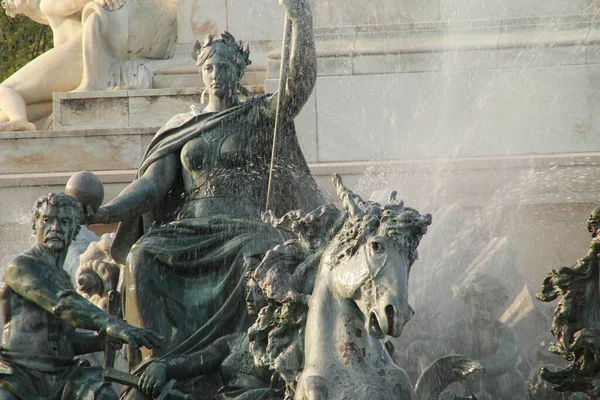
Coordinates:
(533, 220)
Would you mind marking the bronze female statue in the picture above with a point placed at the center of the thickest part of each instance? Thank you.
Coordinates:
(193, 211)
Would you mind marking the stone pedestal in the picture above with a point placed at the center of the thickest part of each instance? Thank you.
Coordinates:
(126, 110)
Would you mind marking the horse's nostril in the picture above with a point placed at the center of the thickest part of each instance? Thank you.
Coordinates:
(389, 311)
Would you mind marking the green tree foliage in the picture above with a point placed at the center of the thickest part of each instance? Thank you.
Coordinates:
(21, 40)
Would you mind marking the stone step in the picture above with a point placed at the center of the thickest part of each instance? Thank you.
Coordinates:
(73, 150)
(470, 181)
(124, 109)
(121, 109)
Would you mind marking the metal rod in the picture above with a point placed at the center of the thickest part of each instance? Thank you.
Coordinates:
(283, 72)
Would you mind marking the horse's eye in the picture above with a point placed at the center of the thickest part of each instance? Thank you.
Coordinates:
(377, 247)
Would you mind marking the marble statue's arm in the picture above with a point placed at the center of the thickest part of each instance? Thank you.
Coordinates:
(66, 8)
(29, 8)
(142, 194)
(505, 357)
(302, 72)
(33, 12)
(62, 8)
(111, 5)
(38, 17)
(26, 277)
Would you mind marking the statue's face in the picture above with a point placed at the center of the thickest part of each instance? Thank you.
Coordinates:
(255, 300)
(593, 223)
(482, 313)
(220, 76)
(55, 227)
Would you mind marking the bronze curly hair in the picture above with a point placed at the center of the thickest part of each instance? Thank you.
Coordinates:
(58, 200)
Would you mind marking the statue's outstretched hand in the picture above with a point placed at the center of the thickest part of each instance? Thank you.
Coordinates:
(111, 5)
(153, 379)
(137, 337)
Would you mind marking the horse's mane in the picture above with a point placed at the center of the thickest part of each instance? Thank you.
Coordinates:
(404, 225)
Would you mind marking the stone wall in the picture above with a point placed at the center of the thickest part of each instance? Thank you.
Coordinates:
(405, 79)
(439, 90)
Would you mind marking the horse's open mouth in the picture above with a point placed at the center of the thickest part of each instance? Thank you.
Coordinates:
(374, 327)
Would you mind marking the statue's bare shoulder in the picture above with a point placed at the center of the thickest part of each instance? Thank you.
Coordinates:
(35, 281)
(23, 267)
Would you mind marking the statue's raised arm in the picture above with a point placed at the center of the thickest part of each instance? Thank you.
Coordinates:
(302, 63)
(66, 8)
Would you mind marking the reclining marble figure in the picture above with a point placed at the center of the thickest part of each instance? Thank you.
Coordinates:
(98, 45)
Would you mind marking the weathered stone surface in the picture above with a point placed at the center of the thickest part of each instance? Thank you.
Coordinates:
(465, 113)
(72, 151)
(512, 9)
(121, 109)
(195, 19)
(255, 21)
(541, 57)
(75, 111)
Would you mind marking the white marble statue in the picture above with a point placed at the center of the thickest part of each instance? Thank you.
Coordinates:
(98, 45)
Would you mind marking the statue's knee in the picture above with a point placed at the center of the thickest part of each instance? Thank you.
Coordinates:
(7, 88)
(136, 261)
(140, 264)
(111, 26)
(92, 21)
